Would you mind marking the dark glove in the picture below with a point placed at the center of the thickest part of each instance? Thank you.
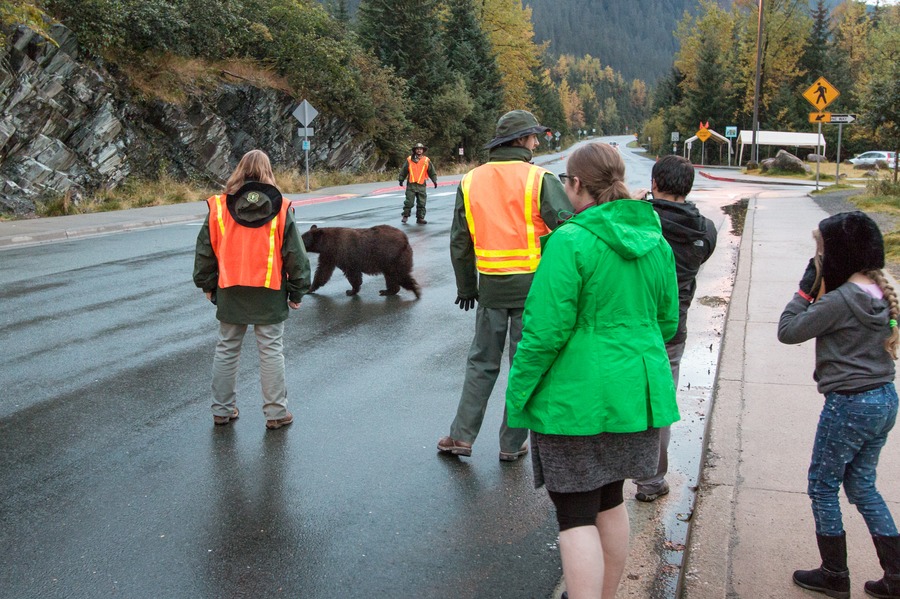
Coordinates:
(400, 182)
(465, 303)
(435, 184)
(812, 279)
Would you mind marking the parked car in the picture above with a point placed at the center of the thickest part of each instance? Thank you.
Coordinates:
(873, 157)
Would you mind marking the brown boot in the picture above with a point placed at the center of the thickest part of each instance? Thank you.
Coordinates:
(421, 221)
(450, 445)
(404, 219)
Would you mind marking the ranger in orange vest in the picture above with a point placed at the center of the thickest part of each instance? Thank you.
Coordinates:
(251, 263)
(417, 169)
(502, 209)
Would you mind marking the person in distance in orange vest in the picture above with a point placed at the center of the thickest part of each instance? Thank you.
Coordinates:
(251, 263)
(502, 209)
(417, 170)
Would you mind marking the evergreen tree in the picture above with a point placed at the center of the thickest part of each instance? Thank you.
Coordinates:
(404, 35)
(816, 52)
(545, 97)
(470, 56)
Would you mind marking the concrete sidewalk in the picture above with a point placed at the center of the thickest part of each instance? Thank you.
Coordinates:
(752, 525)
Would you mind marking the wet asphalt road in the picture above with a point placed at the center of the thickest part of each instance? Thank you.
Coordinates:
(114, 482)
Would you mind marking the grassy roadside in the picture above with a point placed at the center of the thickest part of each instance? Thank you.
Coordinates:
(881, 200)
(140, 193)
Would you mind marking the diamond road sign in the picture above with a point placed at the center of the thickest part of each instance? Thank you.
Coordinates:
(305, 113)
(821, 93)
(843, 118)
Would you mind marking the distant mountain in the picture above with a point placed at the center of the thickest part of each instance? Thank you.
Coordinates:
(634, 37)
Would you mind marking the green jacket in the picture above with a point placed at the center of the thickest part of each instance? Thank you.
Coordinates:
(500, 291)
(254, 305)
(604, 300)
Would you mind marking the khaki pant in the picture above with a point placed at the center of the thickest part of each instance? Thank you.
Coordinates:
(271, 368)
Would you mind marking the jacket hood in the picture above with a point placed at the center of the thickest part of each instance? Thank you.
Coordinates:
(873, 313)
(681, 221)
(630, 227)
(254, 204)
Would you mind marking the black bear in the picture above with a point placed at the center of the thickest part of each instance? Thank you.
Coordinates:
(380, 249)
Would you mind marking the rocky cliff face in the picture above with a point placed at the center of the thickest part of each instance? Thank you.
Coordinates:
(70, 124)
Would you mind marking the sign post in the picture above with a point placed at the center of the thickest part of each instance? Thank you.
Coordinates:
(703, 134)
(820, 94)
(305, 113)
(730, 133)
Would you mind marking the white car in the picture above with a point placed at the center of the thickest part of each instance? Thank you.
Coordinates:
(870, 158)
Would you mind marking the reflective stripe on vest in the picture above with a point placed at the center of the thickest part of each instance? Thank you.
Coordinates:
(503, 210)
(249, 257)
(420, 175)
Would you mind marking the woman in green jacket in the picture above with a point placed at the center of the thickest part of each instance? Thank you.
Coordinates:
(591, 376)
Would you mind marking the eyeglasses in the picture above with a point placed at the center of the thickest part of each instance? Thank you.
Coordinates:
(564, 176)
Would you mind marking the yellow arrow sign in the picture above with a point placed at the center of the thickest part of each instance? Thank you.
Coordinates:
(821, 93)
(819, 117)
(703, 134)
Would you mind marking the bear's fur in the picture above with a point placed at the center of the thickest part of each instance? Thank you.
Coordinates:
(379, 250)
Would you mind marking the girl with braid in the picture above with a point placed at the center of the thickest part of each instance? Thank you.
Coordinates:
(846, 304)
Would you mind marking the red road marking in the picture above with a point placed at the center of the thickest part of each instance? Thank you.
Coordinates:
(323, 199)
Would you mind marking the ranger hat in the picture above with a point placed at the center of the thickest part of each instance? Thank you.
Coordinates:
(254, 204)
(513, 125)
(419, 145)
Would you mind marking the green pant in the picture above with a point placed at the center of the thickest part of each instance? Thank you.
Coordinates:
(482, 370)
(415, 194)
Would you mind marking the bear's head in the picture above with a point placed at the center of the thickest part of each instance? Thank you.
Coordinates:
(311, 239)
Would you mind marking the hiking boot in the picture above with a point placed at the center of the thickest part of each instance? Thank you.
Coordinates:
(648, 495)
(220, 420)
(512, 456)
(452, 446)
(273, 424)
(421, 221)
(403, 219)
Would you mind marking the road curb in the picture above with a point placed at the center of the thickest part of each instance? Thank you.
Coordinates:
(755, 181)
(712, 519)
(26, 239)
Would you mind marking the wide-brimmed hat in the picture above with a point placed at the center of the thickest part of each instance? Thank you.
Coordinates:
(513, 125)
(419, 145)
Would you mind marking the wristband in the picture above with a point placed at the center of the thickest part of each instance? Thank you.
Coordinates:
(892, 323)
(805, 295)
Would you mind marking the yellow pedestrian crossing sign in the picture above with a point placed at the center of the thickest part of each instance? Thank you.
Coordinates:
(821, 93)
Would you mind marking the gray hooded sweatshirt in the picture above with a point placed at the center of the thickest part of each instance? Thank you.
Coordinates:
(850, 328)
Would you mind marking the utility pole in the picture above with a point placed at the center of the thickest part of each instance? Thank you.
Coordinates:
(759, 32)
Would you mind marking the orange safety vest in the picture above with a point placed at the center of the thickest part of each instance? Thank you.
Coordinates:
(247, 256)
(418, 176)
(503, 210)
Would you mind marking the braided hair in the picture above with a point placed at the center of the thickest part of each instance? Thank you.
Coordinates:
(892, 342)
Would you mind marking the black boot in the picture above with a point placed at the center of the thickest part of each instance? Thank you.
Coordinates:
(833, 577)
(888, 550)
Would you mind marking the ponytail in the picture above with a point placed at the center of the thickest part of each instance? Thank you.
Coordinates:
(891, 343)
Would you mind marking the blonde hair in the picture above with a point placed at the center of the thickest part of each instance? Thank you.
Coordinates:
(254, 166)
(601, 171)
(891, 343)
